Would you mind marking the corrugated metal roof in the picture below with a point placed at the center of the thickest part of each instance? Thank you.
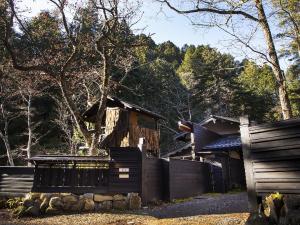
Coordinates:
(225, 143)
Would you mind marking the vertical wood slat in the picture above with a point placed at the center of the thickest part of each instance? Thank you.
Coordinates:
(245, 137)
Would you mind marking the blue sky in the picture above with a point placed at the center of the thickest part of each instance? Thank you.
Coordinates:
(164, 25)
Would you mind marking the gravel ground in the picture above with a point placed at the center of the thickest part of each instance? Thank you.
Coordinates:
(228, 209)
(204, 205)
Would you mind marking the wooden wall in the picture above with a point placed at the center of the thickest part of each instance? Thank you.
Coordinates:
(15, 181)
(123, 130)
(236, 174)
(117, 128)
(272, 158)
(152, 179)
(187, 178)
(203, 137)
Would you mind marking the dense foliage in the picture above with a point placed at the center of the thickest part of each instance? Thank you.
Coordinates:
(188, 83)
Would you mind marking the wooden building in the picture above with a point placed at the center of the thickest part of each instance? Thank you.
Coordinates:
(216, 140)
(125, 123)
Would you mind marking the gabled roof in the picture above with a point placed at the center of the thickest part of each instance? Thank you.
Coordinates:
(225, 143)
(183, 136)
(180, 149)
(215, 117)
(116, 102)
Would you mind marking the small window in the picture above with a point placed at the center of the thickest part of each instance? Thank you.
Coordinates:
(146, 122)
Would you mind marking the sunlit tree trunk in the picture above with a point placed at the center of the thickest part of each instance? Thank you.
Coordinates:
(4, 137)
(281, 83)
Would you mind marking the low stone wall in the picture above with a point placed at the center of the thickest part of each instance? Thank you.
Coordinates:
(35, 204)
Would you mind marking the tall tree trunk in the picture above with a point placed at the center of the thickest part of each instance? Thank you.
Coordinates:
(102, 104)
(4, 137)
(280, 79)
(8, 149)
(75, 114)
(29, 127)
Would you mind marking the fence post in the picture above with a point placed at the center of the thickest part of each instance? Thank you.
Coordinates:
(245, 137)
(143, 188)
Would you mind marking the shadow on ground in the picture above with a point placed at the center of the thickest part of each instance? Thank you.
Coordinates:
(205, 210)
(203, 205)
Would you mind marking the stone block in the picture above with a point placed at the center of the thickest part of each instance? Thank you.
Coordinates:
(69, 199)
(120, 204)
(89, 205)
(44, 205)
(55, 203)
(88, 196)
(52, 211)
(77, 207)
(33, 211)
(44, 196)
(119, 197)
(103, 206)
(134, 202)
(102, 198)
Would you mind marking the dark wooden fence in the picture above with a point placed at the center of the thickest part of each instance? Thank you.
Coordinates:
(15, 181)
(128, 171)
(186, 178)
(272, 158)
(121, 174)
(153, 179)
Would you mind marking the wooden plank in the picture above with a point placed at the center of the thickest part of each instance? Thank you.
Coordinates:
(275, 126)
(277, 164)
(245, 137)
(277, 186)
(272, 155)
(19, 182)
(16, 190)
(194, 174)
(278, 175)
(290, 142)
(278, 134)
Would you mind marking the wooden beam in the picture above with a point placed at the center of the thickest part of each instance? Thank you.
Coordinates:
(245, 137)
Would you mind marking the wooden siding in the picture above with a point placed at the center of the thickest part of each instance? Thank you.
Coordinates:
(272, 154)
(151, 138)
(92, 177)
(187, 178)
(153, 179)
(130, 158)
(15, 181)
(236, 174)
(117, 128)
(123, 130)
(275, 154)
(203, 136)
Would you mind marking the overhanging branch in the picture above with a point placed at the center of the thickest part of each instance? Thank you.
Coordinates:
(210, 10)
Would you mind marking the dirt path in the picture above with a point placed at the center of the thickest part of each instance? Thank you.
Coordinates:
(229, 209)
